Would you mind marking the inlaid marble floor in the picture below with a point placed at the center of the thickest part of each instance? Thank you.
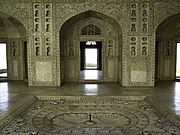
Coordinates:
(167, 93)
(90, 115)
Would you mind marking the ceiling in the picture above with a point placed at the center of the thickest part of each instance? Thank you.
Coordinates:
(10, 27)
(7, 21)
(170, 27)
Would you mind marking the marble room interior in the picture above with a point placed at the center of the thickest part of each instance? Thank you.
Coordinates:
(47, 43)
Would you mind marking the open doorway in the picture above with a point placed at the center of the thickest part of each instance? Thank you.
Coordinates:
(91, 60)
(178, 61)
(3, 61)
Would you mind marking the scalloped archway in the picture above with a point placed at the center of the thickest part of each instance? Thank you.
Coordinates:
(167, 36)
(13, 33)
(71, 36)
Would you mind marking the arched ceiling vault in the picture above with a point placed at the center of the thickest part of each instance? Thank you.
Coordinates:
(10, 27)
(170, 27)
(89, 14)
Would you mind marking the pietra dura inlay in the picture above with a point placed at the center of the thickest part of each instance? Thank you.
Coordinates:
(132, 115)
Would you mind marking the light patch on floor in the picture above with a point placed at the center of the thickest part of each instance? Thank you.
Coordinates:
(122, 115)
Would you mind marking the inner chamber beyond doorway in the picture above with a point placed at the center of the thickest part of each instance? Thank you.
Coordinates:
(91, 60)
(84, 34)
(3, 61)
(13, 37)
(178, 61)
(167, 50)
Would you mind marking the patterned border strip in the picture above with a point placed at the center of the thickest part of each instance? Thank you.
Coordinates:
(16, 109)
(91, 97)
(164, 111)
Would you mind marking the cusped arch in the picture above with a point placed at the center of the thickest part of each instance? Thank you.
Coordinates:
(88, 14)
(97, 27)
(167, 34)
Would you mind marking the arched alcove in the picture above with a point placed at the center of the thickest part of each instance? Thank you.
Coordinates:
(167, 36)
(96, 27)
(13, 34)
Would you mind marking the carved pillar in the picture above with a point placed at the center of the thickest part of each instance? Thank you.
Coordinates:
(140, 56)
(42, 39)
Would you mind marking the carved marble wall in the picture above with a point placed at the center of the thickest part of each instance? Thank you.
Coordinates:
(16, 59)
(133, 50)
(42, 64)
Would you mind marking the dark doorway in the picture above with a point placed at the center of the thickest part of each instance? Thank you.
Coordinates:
(157, 79)
(25, 61)
(91, 59)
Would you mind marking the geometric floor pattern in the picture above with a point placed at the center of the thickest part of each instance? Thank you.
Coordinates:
(89, 115)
